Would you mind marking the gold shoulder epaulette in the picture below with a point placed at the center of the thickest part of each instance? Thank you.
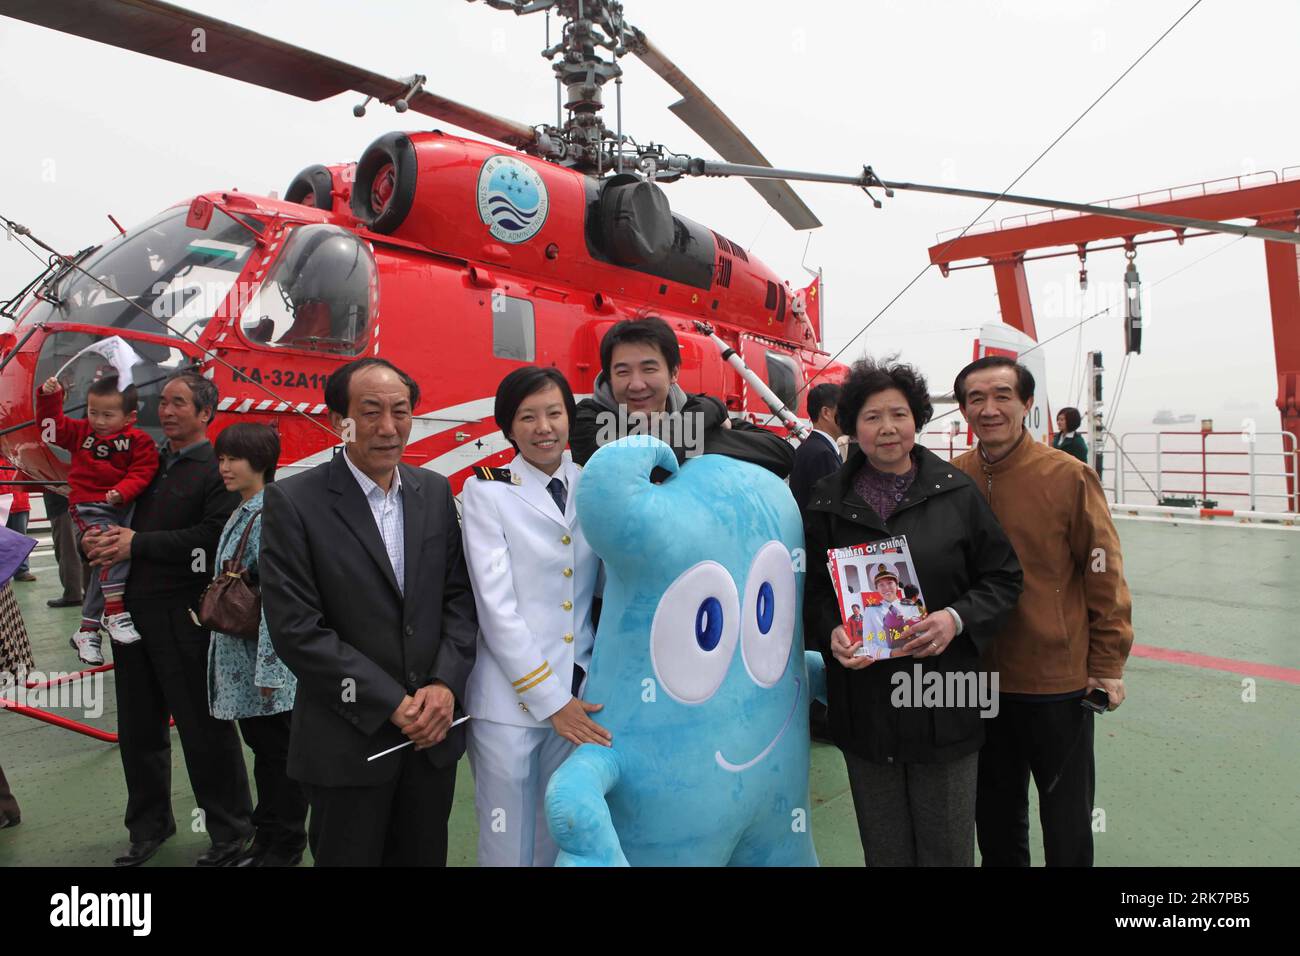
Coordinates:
(484, 473)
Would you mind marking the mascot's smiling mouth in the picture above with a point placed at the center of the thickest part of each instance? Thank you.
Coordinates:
(726, 764)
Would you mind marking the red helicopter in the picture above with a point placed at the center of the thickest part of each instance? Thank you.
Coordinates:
(459, 259)
(456, 258)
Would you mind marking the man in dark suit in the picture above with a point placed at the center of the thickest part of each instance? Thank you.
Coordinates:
(368, 601)
(818, 456)
(170, 544)
(815, 458)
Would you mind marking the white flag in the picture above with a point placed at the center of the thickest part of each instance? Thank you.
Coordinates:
(118, 353)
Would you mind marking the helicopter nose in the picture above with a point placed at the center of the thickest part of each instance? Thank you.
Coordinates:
(21, 437)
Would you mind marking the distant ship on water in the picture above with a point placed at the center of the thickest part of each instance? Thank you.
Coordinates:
(1167, 417)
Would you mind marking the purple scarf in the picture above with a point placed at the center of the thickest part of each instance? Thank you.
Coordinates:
(881, 489)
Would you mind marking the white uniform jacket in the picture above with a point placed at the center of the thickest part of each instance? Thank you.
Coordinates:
(534, 578)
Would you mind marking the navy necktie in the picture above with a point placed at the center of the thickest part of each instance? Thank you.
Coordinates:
(556, 488)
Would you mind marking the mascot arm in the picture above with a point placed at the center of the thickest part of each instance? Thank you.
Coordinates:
(576, 810)
(816, 675)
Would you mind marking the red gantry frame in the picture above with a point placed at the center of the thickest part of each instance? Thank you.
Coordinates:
(1269, 199)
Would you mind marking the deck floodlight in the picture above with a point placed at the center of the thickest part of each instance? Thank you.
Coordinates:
(1132, 309)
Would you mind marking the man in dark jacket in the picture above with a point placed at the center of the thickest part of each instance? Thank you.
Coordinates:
(368, 601)
(637, 391)
(818, 456)
(171, 543)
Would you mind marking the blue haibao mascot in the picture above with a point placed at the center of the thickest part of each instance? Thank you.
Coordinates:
(698, 662)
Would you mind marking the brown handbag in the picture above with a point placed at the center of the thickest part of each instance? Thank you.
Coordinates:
(232, 603)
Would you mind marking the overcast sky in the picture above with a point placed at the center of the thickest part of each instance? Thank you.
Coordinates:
(965, 93)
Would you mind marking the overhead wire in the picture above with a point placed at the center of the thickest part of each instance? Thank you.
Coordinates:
(916, 278)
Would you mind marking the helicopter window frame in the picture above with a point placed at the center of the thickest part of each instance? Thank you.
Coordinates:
(514, 328)
(128, 261)
(787, 388)
(358, 347)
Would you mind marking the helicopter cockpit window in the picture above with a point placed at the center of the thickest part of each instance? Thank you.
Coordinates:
(321, 294)
(514, 332)
(163, 277)
(783, 378)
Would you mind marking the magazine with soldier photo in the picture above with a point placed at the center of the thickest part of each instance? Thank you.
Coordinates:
(879, 594)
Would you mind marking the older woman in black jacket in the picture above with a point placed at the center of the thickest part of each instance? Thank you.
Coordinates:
(912, 769)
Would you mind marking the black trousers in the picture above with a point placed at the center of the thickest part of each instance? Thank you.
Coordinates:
(74, 572)
(280, 817)
(8, 803)
(166, 672)
(399, 823)
(1046, 740)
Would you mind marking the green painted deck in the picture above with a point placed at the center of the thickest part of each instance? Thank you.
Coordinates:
(1188, 772)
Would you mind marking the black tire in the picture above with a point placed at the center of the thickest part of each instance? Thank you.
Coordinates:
(314, 182)
(395, 149)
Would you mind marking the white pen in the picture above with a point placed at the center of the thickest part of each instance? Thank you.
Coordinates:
(385, 753)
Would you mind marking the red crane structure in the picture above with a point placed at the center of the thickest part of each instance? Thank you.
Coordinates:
(1272, 200)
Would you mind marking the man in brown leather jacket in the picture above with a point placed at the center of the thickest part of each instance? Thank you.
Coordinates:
(1069, 634)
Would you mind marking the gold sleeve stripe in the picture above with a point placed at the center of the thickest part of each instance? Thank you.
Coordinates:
(546, 674)
(527, 677)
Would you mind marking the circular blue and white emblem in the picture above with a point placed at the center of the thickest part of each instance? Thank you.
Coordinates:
(512, 199)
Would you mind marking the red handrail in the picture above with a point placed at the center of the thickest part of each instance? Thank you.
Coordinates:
(67, 723)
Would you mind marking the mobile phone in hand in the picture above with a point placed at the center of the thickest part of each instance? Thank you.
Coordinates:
(1097, 701)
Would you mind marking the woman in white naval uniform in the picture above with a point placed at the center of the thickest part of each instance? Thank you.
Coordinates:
(534, 578)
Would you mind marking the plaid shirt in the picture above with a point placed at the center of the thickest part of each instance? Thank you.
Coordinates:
(387, 509)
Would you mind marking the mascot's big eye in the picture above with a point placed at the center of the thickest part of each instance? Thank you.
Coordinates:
(708, 623)
(767, 615)
(694, 632)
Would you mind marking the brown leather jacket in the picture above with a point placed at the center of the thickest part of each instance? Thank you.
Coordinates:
(1074, 618)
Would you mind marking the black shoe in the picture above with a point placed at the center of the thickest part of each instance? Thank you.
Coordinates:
(258, 855)
(280, 858)
(221, 854)
(252, 856)
(62, 602)
(8, 821)
(142, 850)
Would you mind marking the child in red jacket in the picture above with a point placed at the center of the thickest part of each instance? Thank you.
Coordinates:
(112, 463)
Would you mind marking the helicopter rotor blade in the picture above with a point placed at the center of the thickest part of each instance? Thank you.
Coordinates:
(173, 33)
(867, 179)
(711, 124)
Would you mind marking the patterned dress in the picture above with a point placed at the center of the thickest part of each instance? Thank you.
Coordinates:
(15, 648)
(239, 668)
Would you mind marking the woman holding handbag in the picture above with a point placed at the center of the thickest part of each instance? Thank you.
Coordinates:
(247, 681)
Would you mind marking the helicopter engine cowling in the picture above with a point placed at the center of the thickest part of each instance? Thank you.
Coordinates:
(636, 221)
(318, 186)
(384, 187)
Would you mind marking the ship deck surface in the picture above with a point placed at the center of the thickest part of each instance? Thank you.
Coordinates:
(1188, 771)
